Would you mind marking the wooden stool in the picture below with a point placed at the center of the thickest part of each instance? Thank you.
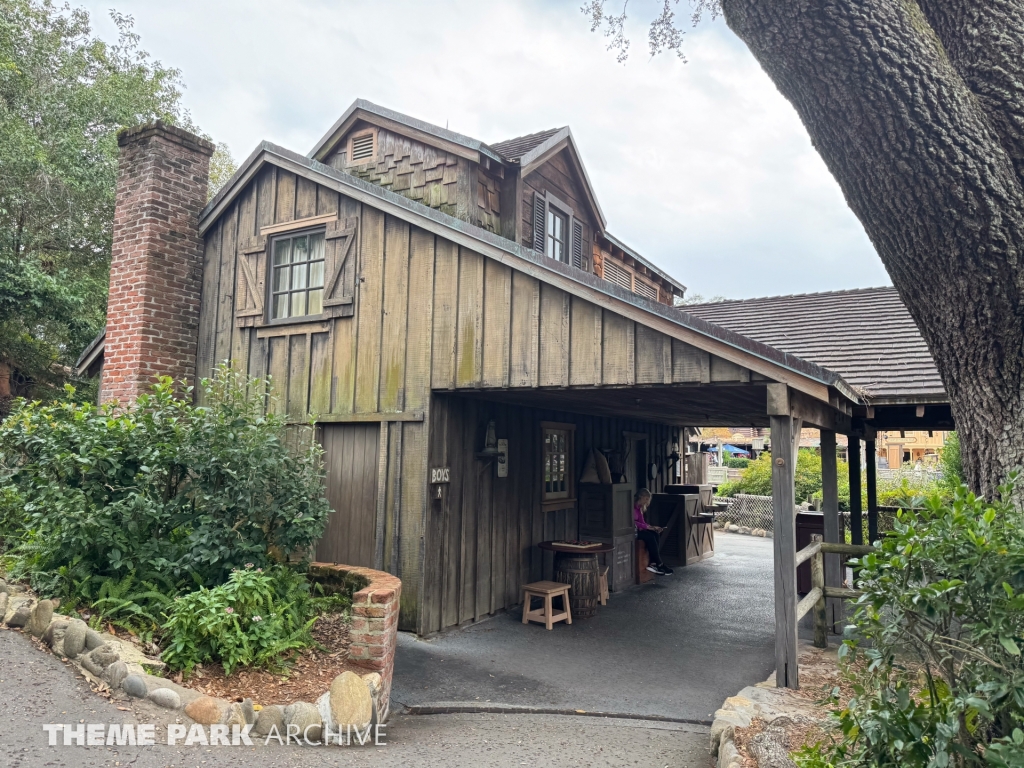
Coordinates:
(603, 585)
(546, 590)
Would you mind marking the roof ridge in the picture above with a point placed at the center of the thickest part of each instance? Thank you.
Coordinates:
(546, 131)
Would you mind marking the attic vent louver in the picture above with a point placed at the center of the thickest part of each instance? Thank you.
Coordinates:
(362, 147)
(616, 274)
(647, 290)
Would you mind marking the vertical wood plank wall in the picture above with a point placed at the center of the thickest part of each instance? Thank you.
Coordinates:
(429, 315)
(482, 535)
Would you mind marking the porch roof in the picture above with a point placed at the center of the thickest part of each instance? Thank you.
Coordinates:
(866, 335)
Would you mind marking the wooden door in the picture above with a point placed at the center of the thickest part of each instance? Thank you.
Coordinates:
(351, 456)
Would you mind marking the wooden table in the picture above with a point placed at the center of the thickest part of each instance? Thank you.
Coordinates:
(578, 567)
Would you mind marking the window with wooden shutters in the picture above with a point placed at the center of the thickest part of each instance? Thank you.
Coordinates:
(555, 238)
(362, 147)
(297, 283)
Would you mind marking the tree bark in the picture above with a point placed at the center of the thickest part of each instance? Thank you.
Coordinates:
(985, 43)
(922, 165)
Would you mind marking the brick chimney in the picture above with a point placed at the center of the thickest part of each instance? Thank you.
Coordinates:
(156, 266)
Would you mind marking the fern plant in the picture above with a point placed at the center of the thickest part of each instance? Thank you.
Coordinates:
(256, 619)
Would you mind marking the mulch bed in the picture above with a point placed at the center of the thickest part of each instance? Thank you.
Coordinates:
(305, 680)
(819, 676)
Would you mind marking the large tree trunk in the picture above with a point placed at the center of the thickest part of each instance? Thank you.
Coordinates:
(921, 159)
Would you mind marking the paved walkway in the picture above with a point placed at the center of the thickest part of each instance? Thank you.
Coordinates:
(36, 688)
(675, 648)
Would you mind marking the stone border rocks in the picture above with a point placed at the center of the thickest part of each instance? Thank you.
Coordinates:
(352, 703)
(773, 705)
(373, 633)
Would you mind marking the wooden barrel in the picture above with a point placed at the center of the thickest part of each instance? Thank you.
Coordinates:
(580, 572)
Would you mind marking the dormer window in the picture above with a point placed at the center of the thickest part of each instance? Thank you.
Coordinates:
(362, 147)
(557, 233)
(556, 230)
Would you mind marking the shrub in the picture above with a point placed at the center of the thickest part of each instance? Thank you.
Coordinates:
(939, 631)
(757, 478)
(737, 462)
(258, 618)
(164, 491)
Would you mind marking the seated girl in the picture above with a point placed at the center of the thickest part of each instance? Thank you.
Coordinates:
(648, 534)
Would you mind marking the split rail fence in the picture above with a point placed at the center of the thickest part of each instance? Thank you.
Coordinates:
(815, 599)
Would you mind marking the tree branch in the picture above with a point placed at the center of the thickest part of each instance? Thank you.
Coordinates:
(985, 43)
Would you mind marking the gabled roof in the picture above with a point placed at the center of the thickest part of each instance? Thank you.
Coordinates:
(513, 149)
(759, 357)
(430, 134)
(91, 354)
(865, 335)
(529, 152)
(543, 151)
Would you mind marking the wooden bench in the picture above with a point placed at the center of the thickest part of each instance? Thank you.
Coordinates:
(642, 560)
(546, 591)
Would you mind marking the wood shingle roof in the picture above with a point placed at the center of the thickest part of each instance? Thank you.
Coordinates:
(866, 335)
(513, 149)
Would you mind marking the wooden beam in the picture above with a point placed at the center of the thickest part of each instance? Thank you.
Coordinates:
(870, 466)
(856, 521)
(814, 412)
(784, 543)
(832, 530)
(365, 418)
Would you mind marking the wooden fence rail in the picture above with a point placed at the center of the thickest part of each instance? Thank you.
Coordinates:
(815, 599)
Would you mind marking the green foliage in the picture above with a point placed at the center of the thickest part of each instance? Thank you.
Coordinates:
(951, 463)
(736, 462)
(757, 478)
(222, 168)
(939, 631)
(164, 491)
(258, 618)
(64, 94)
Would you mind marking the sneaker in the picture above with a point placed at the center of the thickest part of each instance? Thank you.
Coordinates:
(666, 570)
(653, 568)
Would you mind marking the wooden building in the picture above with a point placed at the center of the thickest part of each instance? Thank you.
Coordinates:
(462, 285)
(464, 330)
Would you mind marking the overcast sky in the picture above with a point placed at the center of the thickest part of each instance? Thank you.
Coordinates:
(703, 167)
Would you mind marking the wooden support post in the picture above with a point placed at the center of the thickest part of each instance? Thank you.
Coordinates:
(784, 541)
(832, 531)
(870, 466)
(856, 519)
(820, 617)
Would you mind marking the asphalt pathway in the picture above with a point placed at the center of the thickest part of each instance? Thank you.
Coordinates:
(674, 648)
(36, 689)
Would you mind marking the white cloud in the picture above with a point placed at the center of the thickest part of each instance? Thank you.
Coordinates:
(703, 167)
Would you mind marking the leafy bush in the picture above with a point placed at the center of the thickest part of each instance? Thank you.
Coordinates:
(757, 478)
(737, 462)
(951, 463)
(939, 631)
(162, 492)
(257, 619)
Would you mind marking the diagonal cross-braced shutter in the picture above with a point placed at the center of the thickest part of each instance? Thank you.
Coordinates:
(539, 215)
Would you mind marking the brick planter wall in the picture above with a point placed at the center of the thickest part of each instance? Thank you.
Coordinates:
(374, 632)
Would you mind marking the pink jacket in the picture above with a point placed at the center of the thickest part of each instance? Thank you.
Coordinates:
(638, 519)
